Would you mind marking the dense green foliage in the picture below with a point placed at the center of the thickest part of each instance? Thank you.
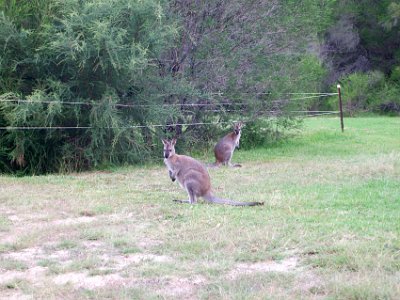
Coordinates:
(370, 91)
(114, 69)
(90, 52)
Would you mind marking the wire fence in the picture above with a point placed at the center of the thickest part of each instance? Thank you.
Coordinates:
(314, 114)
(305, 113)
(111, 127)
(122, 105)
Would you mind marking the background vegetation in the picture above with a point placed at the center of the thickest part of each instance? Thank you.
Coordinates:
(140, 63)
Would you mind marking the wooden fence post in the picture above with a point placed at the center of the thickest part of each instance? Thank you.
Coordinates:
(340, 107)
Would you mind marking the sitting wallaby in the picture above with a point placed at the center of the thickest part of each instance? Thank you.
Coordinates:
(193, 177)
(223, 150)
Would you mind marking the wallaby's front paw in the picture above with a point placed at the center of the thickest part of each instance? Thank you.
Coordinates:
(172, 176)
(179, 201)
(183, 201)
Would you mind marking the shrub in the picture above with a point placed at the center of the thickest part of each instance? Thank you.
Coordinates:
(360, 91)
(263, 131)
(388, 101)
(395, 75)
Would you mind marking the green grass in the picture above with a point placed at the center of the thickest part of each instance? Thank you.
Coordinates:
(332, 203)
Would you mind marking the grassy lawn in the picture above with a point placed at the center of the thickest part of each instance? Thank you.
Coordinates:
(329, 229)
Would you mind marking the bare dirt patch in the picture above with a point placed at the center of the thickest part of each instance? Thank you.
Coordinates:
(309, 282)
(147, 243)
(31, 274)
(106, 259)
(138, 258)
(14, 295)
(120, 262)
(184, 288)
(287, 265)
(28, 255)
(83, 280)
(73, 221)
(23, 224)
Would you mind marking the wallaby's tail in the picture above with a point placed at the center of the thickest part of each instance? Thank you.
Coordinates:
(213, 199)
(213, 165)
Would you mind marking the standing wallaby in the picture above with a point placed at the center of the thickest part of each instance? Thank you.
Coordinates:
(223, 150)
(193, 177)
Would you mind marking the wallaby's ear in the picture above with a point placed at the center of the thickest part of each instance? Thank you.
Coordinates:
(238, 124)
(173, 141)
(164, 141)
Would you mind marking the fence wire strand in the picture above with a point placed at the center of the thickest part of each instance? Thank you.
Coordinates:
(111, 127)
(272, 112)
(165, 104)
(314, 114)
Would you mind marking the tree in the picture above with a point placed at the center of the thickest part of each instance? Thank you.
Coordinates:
(249, 53)
(358, 42)
(362, 50)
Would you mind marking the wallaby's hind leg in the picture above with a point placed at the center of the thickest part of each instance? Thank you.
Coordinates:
(213, 165)
(192, 197)
(235, 165)
(230, 164)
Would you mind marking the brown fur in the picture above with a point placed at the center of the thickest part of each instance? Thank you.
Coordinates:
(193, 177)
(225, 147)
